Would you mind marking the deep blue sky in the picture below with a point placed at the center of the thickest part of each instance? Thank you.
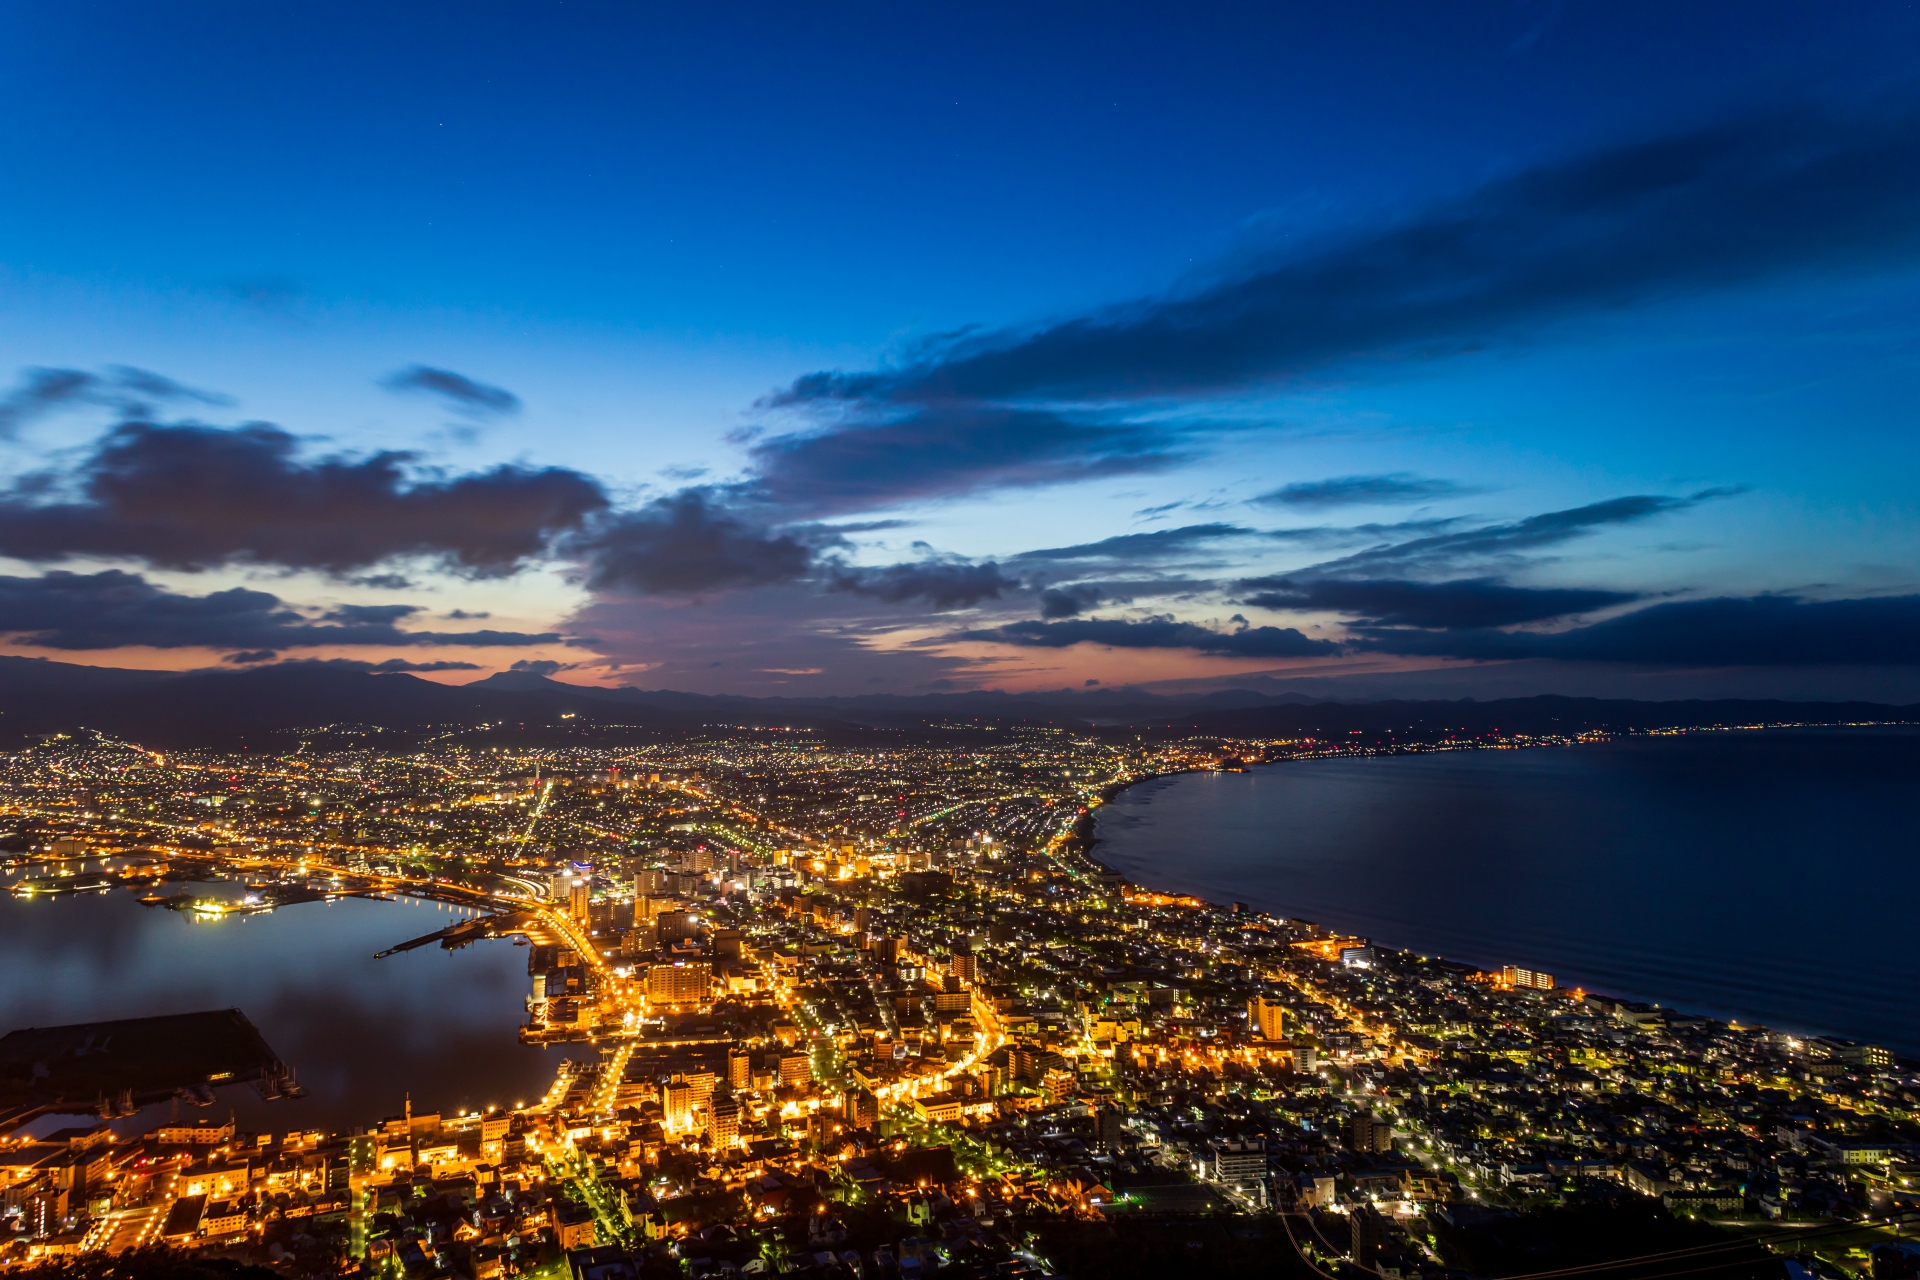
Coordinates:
(1486, 263)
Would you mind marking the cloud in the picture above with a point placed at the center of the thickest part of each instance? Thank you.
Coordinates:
(1399, 489)
(1186, 541)
(538, 666)
(1070, 600)
(1700, 209)
(941, 450)
(687, 543)
(1142, 547)
(1444, 552)
(941, 584)
(403, 664)
(114, 609)
(40, 391)
(123, 388)
(255, 657)
(1157, 633)
(783, 639)
(1730, 631)
(1462, 602)
(1155, 513)
(461, 393)
(193, 497)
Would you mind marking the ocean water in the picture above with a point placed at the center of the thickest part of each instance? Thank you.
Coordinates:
(1769, 875)
(361, 1034)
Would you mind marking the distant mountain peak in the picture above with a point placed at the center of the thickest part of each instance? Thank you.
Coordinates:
(520, 682)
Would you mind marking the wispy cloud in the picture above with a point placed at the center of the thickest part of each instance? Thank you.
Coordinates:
(1445, 554)
(1157, 633)
(129, 392)
(1761, 631)
(1398, 489)
(1708, 208)
(1139, 547)
(456, 390)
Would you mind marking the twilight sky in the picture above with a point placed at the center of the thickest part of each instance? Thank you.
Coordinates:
(1364, 350)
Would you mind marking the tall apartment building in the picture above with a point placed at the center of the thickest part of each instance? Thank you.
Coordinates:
(1369, 1134)
(723, 1127)
(1529, 979)
(1370, 1238)
(683, 982)
(1266, 1018)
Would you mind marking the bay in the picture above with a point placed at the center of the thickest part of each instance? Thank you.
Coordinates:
(360, 1033)
(1768, 875)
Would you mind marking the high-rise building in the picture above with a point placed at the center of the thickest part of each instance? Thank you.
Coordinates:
(860, 1109)
(676, 925)
(966, 968)
(1526, 979)
(723, 1126)
(580, 900)
(702, 1084)
(739, 1067)
(1369, 1134)
(1242, 1165)
(683, 982)
(676, 1104)
(1266, 1018)
(1369, 1236)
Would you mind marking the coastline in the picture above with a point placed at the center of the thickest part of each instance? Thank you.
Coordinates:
(1487, 952)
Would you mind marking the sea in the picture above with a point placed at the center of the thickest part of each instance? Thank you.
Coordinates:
(1767, 875)
(360, 1034)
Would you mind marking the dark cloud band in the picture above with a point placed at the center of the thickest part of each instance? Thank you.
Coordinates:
(114, 609)
(940, 585)
(1466, 602)
(1357, 491)
(193, 497)
(1157, 633)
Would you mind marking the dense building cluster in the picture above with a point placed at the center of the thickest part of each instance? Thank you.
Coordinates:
(876, 1011)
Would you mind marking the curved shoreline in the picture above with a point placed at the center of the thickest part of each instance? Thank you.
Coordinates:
(1584, 946)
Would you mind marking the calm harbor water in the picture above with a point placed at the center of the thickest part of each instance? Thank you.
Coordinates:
(1768, 875)
(360, 1033)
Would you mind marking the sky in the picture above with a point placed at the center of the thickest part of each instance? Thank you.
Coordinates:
(1363, 350)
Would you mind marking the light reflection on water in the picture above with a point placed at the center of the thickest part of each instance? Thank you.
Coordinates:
(1767, 875)
(360, 1033)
